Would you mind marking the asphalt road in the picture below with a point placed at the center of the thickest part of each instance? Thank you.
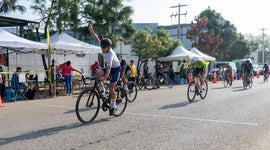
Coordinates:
(229, 118)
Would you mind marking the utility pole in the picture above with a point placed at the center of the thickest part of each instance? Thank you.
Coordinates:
(263, 45)
(178, 14)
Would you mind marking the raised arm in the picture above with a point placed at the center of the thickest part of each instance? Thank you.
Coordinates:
(90, 28)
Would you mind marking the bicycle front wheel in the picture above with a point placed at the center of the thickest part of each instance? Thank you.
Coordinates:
(121, 100)
(132, 91)
(87, 106)
(205, 90)
(191, 92)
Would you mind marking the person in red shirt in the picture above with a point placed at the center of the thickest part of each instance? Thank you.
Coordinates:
(67, 75)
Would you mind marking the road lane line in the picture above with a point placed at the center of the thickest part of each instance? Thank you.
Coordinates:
(56, 106)
(194, 119)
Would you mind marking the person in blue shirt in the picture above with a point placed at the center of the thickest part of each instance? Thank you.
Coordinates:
(15, 84)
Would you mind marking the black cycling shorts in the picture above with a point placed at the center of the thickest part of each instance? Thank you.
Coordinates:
(197, 71)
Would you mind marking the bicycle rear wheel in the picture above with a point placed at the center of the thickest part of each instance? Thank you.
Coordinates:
(250, 83)
(121, 100)
(87, 106)
(169, 83)
(149, 83)
(132, 91)
(191, 92)
(140, 83)
(205, 90)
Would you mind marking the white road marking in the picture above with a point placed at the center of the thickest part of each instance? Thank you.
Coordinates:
(56, 106)
(172, 117)
(194, 119)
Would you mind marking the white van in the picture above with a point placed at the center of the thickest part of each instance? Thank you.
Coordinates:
(216, 68)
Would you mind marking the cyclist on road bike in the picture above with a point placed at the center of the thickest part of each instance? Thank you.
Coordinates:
(228, 70)
(125, 71)
(158, 68)
(198, 67)
(247, 69)
(112, 67)
(265, 70)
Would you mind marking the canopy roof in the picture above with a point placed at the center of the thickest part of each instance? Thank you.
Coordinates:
(11, 22)
(204, 56)
(180, 53)
(17, 44)
(66, 45)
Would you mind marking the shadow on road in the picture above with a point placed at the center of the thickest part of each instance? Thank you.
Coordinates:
(45, 132)
(237, 87)
(177, 105)
(239, 90)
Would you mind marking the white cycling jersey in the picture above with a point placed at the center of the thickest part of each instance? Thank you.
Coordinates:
(111, 59)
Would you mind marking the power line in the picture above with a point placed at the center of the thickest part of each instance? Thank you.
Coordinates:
(178, 14)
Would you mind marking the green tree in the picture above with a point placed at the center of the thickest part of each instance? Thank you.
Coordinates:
(140, 45)
(11, 5)
(110, 18)
(56, 16)
(239, 49)
(227, 32)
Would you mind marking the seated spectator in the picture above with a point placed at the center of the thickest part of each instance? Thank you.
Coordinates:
(15, 84)
(96, 68)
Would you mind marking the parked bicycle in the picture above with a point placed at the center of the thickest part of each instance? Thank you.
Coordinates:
(88, 102)
(247, 82)
(194, 89)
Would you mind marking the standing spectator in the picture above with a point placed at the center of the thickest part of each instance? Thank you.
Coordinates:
(67, 75)
(171, 73)
(54, 70)
(133, 74)
(2, 76)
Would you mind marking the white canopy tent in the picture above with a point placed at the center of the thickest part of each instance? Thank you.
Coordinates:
(180, 53)
(204, 56)
(13, 43)
(66, 45)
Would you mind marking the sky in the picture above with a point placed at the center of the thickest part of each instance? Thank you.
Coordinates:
(248, 16)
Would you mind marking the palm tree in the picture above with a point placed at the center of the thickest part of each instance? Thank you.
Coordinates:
(10, 5)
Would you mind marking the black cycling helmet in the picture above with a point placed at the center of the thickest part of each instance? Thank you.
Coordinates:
(247, 61)
(145, 60)
(158, 60)
(105, 42)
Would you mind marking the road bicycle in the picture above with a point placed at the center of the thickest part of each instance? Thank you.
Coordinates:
(194, 89)
(88, 102)
(247, 82)
(132, 90)
(163, 80)
(146, 83)
(227, 80)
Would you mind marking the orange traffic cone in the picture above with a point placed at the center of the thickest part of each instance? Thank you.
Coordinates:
(232, 77)
(1, 104)
(258, 75)
(252, 75)
(243, 76)
(214, 78)
(191, 78)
